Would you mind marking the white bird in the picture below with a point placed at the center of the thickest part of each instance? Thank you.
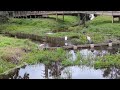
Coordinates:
(88, 38)
(49, 33)
(65, 37)
(41, 46)
(66, 44)
(92, 16)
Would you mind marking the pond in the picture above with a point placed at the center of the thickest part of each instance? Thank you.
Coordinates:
(41, 71)
(57, 71)
(94, 52)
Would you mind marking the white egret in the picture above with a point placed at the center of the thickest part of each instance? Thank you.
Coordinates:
(66, 38)
(66, 44)
(49, 33)
(41, 46)
(89, 39)
(92, 16)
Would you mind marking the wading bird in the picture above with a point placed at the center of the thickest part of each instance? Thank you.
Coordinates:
(66, 41)
(92, 16)
(66, 38)
(41, 46)
(89, 39)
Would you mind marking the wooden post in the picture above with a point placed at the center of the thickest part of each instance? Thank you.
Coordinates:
(112, 19)
(56, 16)
(79, 18)
(84, 19)
(78, 15)
(119, 18)
(26, 16)
(63, 17)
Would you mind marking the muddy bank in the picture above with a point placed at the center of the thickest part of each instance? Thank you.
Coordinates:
(53, 41)
(24, 36)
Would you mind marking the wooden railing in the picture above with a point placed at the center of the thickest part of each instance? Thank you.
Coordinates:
(26, 13)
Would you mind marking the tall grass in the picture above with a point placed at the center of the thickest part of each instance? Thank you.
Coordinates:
(39, 26)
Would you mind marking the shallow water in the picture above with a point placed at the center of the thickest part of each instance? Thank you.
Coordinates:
(93, 53)
(41, 71)
(56, 71)
(86, 53)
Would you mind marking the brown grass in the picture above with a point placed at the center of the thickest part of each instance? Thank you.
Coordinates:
(12, 54)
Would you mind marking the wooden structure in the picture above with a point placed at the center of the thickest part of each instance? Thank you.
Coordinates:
(82, 46)
(37, 14)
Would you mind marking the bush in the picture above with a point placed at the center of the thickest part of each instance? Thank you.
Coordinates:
(3, 19)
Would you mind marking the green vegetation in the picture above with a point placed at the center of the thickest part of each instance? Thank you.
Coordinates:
(46, 56)
(39, 26)
(12, 51)
(108, 61)
(99, 29)
(3, 19)
(102, 25)
(16, 51)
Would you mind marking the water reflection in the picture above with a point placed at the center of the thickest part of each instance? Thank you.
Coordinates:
(92, 53)
(55, 41)
(112, 73)
(83, 72)
(56, 71)
(87, 53)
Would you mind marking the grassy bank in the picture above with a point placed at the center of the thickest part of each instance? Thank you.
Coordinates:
(39, 26)
(108, 61)
(12, 51)
(100, 29)
(15, 52)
